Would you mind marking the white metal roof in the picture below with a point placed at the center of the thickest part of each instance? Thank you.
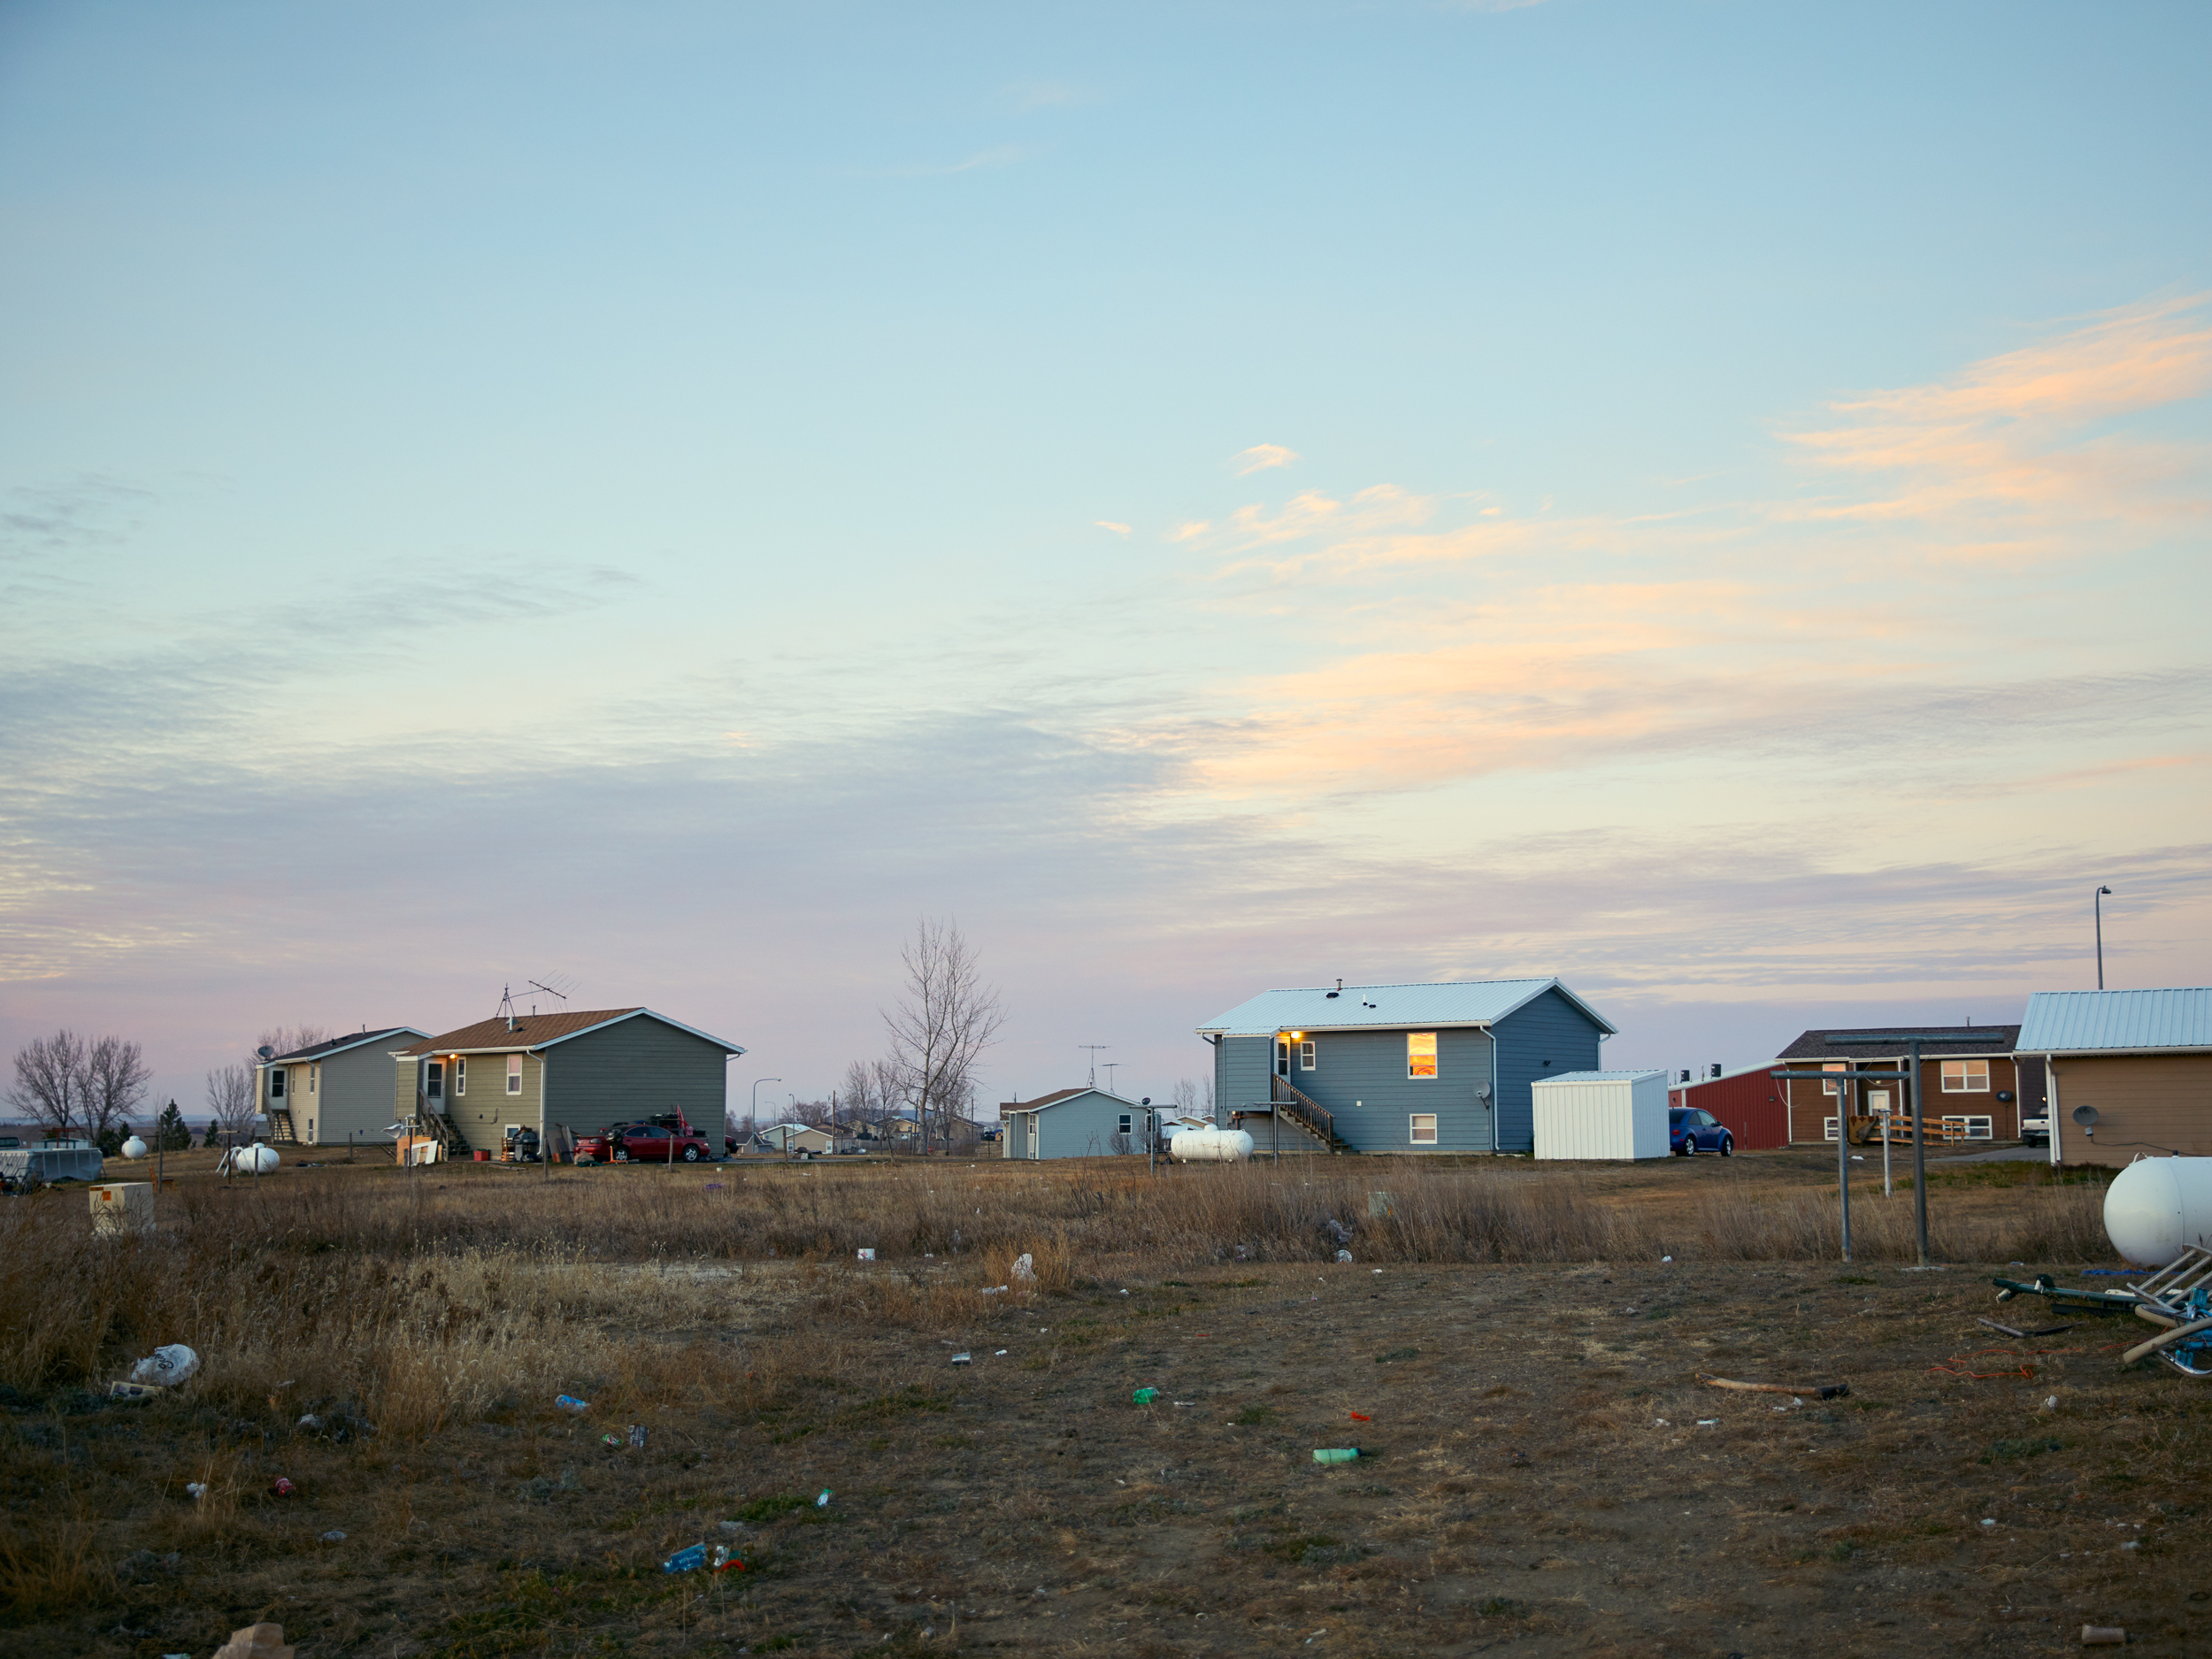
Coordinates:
(2122, 1022)
(1598, 1077)
(1389, 1007)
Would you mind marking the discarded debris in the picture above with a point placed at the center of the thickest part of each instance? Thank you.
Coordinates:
(637, 1435)
(822, 1503)
(195, 1490)
(612, 1441)
(256, 1642)
(963, 1359)
(1336, 1230)
(725, 1561)
(334, 1536)
(282, 1488)
(570, 1402)
(1708, 1423)
(1025, 1269)
(138, 1391)
(997, 1290)
(1361, 1416)
(1000, 1354)
(865, 1256)
(2006, 1330)
(1145, 1396)
(1834, 1391)
(166, 1366)
(686, 1560)
(1344, 1257)
(2103, 1636)
(1335, 1454)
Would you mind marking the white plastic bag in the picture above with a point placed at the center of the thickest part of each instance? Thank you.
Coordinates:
(166, 1366)
(1024, 1269)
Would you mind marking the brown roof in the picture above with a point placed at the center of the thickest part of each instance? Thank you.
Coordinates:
(529, 1030)
(1055, 1097)
(1814, 1044)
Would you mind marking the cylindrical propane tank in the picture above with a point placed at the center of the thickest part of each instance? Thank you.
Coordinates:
(134, 1147)
(2155, 1207)
(254, 1160)
(1210, 1146)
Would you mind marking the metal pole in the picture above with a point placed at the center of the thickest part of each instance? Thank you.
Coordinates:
(1919, 1162)
(1843, 1152)
(1888, 1117)
(2096, 904)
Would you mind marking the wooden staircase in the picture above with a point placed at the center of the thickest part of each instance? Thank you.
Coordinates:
(281, 1129)
(1308, 1113)
(451, 1142)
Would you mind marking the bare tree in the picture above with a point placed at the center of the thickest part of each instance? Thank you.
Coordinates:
(1186, 1097)
(943, 1023)
(115, 1078)
(230, 1100)
(816, 1112)
(291, 1038)
(50, 1081)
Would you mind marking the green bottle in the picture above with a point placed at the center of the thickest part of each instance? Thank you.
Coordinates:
(1335, 1454)
(1145, 1396)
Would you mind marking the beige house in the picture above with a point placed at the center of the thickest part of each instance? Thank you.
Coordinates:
(2130, 1072)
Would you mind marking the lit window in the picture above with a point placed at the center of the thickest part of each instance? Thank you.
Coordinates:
(1421, 1056)
(514, 1075)
(1421, 1128)
(460, 1074)
(1966, 1076)
(1305, 1056)
(1830, 1088)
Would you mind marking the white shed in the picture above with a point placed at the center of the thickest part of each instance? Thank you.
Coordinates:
(1601, 1115)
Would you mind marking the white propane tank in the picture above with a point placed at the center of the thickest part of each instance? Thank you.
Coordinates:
(1210, 1146)
(254, 1160)
(134, 1147)
(2157, 1206)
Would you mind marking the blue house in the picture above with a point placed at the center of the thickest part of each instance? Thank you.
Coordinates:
(1399, 1068)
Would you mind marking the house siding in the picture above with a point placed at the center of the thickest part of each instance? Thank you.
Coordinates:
(1240, 1069)
(482, 1115)
(635, 1069)
(1810, 1105)
(2146, 1104)
(1360, 1077)
(354, 1098)
(1084, 1126)
(1542, 1039)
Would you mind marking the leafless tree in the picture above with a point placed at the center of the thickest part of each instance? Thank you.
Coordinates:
(230, 1100)
(811, 1112)
(115, 1078)
(1186, 1097)
(50, 1082)
(291, 1038)
(943, 1023)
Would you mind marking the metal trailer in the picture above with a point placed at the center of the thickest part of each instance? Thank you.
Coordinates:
(55, 1161)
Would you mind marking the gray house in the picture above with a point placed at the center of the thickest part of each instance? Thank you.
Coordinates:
(1075, 1122)
(326, 1092)
(583, 1071)
(1399, 1068)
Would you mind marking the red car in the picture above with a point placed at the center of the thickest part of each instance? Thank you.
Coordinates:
(637, 1143)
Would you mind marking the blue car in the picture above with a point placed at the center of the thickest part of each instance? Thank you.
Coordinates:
(1692, 1130)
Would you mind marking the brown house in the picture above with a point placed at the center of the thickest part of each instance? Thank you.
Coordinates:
(1976, 1089)
(2130, 1072)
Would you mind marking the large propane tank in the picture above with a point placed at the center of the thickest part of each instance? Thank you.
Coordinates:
(134, 1148)
(1210, 1146)
(2157, 1206)
(254, 1160)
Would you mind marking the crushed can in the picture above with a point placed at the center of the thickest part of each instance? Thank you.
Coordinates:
(612, 1441)
(637, 1435)
(282, 1488)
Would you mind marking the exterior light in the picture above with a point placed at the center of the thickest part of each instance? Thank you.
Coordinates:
(1297, 1036)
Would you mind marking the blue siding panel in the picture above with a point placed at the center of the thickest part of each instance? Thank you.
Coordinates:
(1548, 1036)
(1360, 1077)
(1241, 1073)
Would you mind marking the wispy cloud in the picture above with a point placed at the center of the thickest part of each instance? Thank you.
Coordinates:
(1261, 456)
(1108, 524)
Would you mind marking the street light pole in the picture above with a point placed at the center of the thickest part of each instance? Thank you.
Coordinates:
(752, 1111)
(2096, 904)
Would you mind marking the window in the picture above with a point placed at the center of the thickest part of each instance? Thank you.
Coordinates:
(1282, 1057)
(310, 1131)
(1421, 1128)
(1305, 1056)
(276, 1082)
(1421, 1056)
(1966, 1076)
(514, 1075)
(460, 1074)
(433, 1080)
(1830, 1088)
(1124, 1123)
(315, 1072)
(1827, 1124)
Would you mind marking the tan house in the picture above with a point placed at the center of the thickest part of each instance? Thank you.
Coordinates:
(335, 1093)
(2130, 1072)
(1974, 1087)
(477, 1088)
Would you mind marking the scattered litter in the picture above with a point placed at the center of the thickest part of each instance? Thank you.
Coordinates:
(166, 1366)
(570, 1402)
(1986, 1521)
(1708, 1423)
(2132, 1543)
(1025, 1269)
(1145, 1396)
(996, 1290)
(612, 1441)
(1665, 1260)
(282, 1488)
(1346, 1257)
(1858, 1157)
(637, 1435)
(136, 1391)
(865, 1256)
(961, 1359)
(1361, 1416)
(1124, 1293)
(1631, 1310)
(1661, 1423)
(2050, 1402)
(731, 1528)
(725, 1561)
(334, 1536)
(1335, 1454)
(2106, 1273)
(1186, 1402)
(311, 1423)
(2103, 1636)
(1832, 1390)
(686, 1560)
(822, 1503)
(1378, 1269)
(256, 1642)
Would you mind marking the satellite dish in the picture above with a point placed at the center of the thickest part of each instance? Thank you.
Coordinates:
(266, 1052)
(2084, 1116)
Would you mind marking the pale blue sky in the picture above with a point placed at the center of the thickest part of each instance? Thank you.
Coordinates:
(1707, 500)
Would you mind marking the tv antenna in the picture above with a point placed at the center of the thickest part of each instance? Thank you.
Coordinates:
(1096, 1049)
(507, 999)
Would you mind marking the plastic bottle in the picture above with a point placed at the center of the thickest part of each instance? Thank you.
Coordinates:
(1335, 1454)
(1145, 1396)
(570, 1402)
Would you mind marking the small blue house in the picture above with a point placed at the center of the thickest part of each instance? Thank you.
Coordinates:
(1401, 1068)
(1076, 1123)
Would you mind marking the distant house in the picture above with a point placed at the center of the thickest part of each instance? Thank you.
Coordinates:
(1399, 1068)
(788, 1138)
(1972, 1088)
(2130, 1072)
(1750, 1104)
(1074, 1123)
(582, 1071)
(330, 1092)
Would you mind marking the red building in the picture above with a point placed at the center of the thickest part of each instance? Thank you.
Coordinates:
(1750, 1105)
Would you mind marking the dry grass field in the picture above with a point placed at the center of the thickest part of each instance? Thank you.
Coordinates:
(1540, 1471)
